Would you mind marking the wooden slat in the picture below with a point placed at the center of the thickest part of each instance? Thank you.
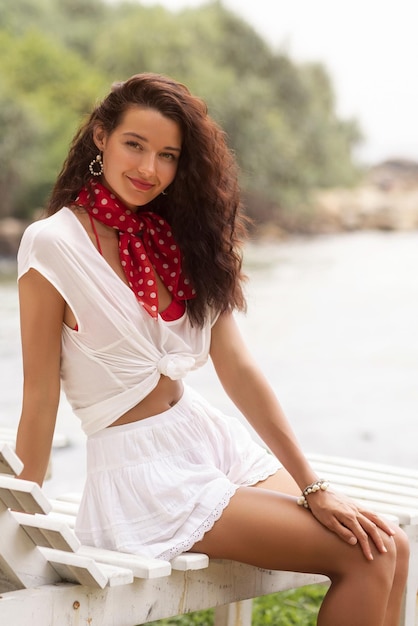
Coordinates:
(21, 561)
(73, 497)
(76, 568)
(141, 567)
(190, 561)
(349, 464)
(63, 518)
(9, 461)
(23, 495)
(62, 506)
(376, 480)
(383, 488)
(48, 532)
(374, 488)
(405, 516)
(117, 576)
(362, 491)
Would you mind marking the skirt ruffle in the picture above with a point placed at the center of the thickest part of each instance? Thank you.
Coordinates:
(156, 486)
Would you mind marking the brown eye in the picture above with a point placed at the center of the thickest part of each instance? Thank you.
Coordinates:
(134, 144)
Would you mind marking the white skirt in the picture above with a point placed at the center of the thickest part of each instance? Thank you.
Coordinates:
(155, 486)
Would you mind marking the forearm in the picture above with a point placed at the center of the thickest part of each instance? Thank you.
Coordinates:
(33, 449)
(35, 433)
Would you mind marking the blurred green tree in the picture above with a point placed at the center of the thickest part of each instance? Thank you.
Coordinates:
(57, 88)
(17, 132)
(57, 57)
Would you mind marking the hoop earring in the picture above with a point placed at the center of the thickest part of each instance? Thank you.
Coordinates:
(164, 193)
(96, 166)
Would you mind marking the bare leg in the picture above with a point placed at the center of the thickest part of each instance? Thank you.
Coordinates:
(282, 481)
(263, 526)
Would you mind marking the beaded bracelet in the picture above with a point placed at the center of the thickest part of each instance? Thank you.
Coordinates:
(312, 488)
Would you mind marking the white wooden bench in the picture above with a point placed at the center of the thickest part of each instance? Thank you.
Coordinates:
(48, 578)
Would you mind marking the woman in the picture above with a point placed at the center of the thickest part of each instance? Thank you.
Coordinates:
(130, 283)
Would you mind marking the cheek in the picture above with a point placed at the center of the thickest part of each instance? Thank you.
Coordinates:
(170, 170)
(110, 160)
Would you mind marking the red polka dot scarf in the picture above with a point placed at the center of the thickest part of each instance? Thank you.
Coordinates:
(145, 243)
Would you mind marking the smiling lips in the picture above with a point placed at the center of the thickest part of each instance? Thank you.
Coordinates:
(142, 185)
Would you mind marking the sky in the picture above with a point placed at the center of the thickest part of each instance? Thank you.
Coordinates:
(370, 49)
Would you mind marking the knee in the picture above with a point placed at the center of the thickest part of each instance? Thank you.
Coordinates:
(382, 570)
(394, 563)
(402, 548)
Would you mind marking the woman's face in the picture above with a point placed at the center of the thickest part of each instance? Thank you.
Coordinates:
(140, 157)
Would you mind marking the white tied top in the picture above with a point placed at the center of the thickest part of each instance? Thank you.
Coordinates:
(118, 353)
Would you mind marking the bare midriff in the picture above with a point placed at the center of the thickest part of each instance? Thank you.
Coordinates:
(164, 396)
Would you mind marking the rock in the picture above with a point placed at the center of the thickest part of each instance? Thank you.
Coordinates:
(387, 199)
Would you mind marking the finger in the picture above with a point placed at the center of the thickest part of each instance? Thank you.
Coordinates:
(375, 533)
(345, 533)
(367, 533)
(350, 530)
(380, 523)
(370, 534)
(354, 526)
(342, 523)
(357, 534)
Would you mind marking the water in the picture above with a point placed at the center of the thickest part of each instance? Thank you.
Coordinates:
(331, 321)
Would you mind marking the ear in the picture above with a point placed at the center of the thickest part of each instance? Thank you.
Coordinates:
(99, 137)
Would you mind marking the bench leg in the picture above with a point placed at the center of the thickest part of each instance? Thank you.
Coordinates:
(410, 609)
(234, 614)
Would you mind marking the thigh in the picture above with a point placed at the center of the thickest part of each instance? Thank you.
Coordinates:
(264, 526)
(282, 482)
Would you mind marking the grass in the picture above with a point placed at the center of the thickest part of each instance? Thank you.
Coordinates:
(287, 608)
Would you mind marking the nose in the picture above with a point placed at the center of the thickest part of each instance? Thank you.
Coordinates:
(147, 164)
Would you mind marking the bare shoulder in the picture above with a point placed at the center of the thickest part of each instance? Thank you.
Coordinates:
(38, 297)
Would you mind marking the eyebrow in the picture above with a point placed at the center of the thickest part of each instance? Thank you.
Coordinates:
(147, 141)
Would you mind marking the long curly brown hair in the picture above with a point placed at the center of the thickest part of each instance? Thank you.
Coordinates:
(203, 202)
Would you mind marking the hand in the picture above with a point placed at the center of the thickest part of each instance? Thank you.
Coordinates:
(350, 522)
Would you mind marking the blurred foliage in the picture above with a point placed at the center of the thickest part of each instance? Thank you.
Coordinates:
(57, 57)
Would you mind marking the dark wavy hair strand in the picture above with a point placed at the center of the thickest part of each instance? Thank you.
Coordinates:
(203, 203)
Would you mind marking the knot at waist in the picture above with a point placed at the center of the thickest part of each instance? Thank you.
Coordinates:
(175, 366)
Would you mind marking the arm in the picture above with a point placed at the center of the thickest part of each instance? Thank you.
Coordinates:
(253, 396)
(41, 317)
